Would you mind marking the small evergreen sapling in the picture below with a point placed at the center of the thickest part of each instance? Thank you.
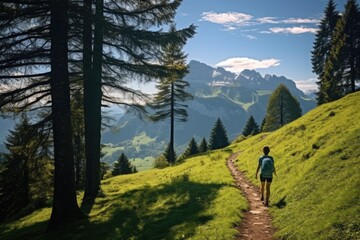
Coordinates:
(203, 147)
(218, 136)
(123, 166)
(251, 127)
(192, 148)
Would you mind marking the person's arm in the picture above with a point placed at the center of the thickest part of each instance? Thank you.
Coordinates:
(257, 170)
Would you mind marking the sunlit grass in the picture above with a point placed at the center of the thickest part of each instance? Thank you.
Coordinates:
(143, 164)
(317, 158)
(194, 200)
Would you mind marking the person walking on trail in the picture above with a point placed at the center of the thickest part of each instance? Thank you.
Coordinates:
(267, 169)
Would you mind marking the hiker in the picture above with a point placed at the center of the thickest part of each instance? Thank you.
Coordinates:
(267, 168)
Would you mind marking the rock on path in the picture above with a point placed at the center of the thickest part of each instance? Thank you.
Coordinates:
(256, 223)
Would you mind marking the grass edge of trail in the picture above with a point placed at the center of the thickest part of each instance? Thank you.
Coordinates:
(315, 195)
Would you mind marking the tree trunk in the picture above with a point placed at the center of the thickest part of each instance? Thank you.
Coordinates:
(65, 208)
(172, 116)
(281, 108)
(77, 154)
(92, 100)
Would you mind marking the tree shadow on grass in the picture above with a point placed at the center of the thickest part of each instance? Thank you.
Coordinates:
(162, 212)
(166, 211)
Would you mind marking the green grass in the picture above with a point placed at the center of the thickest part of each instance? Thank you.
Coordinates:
(143, 164)
(194, 200)
(316, 194)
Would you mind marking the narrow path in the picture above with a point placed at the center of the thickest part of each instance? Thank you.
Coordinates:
(256, 223)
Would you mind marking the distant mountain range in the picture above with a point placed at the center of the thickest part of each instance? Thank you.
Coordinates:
(217, 94)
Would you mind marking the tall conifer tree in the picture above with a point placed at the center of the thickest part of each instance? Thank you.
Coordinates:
(65, 208)
(342, 68)
(35, 37)
(168, 102)
(322, 46)
(26, 169)
(282, 108)
(126, 46)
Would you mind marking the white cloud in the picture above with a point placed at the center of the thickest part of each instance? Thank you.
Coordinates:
(293, 30)
(234, 20)
(307, 85)
(300, 20)
(274, 20)
(265, 20)
(251, 37)
(231, 28)
(227, 19)
(238, 64)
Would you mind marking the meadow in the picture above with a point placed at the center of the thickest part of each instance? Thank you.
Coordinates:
(315, 195)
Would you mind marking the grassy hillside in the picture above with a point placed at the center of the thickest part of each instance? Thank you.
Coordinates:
(316, 194)
(196, 200)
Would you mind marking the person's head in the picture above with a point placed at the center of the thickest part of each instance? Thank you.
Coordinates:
(266, 150)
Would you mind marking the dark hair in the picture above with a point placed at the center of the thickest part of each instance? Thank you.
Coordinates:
(266, 150)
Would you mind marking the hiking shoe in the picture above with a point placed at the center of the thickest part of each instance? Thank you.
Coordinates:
(267, 204)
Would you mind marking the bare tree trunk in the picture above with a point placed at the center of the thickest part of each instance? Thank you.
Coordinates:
(92, 100)
(172, 116)
(65, 208)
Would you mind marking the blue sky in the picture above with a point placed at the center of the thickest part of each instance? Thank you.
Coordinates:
(269, 36)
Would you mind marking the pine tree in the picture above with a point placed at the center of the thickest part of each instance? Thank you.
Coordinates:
(123, 166)
(342, 68)
(127, 44)
(322, 46)
(168, 102)
(263, 124)
(203, 147)
(25, 169)
(251, 127)
(168, 153)
(34, 43)
(24, 46)
(282, 108)
(192, 148)
(218, 136)
(65, 208)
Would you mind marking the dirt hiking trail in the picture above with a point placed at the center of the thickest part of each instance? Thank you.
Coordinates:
(256, 223)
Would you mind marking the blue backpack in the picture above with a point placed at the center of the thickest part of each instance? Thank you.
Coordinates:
(267, 166)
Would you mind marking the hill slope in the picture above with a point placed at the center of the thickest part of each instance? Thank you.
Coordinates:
(316, 194)
(196, 199)
(314, 197)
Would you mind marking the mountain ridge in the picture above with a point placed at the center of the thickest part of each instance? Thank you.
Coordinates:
(217, 94)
